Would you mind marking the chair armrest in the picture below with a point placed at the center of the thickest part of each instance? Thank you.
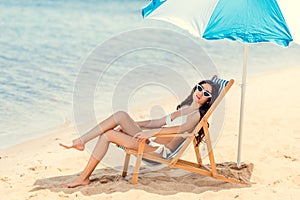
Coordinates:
(141, 147)
(174, 134)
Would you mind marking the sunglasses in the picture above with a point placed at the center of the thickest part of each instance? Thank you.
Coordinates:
(205, 93)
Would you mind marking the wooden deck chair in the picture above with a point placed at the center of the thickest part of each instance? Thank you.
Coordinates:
(173, 160)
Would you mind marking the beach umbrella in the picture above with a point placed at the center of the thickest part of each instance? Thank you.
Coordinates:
(239, 20)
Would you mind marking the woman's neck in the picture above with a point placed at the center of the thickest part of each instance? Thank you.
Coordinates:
(195, 106)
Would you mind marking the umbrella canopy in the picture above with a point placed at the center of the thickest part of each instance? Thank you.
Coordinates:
(246, 21)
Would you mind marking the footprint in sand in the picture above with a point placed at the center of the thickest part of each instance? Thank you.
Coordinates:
(35, 168)
(32, 168)
(277, 182)
(290, 157)
(63, 195)
(106, 179)
(32, 195)
(5, 179)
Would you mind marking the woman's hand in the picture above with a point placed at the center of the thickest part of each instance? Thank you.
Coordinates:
(140, 136)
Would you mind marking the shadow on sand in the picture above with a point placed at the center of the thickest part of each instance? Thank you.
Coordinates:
(164, 181)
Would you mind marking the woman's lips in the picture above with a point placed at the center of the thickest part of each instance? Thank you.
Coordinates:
(198, 97)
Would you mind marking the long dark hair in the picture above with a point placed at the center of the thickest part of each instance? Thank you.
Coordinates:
(204, 108)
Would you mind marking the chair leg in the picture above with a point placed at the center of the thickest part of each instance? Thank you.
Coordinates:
(138, 162)
(125, 169)
(137, 169)
(198, 155)
(210, 150)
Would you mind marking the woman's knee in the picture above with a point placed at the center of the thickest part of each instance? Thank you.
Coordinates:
(109, 135)
(121, 115)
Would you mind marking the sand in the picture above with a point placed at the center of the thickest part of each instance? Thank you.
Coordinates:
(38, 169)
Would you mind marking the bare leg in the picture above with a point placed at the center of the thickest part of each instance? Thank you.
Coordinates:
(119, 118)
(100, 151)
(83, 178)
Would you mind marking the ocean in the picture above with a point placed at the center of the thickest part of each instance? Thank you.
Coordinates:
(54, 53)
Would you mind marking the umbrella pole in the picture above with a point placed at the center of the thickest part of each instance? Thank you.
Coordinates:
(243, 88)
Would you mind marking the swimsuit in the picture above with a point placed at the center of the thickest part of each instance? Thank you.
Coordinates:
(178, 121)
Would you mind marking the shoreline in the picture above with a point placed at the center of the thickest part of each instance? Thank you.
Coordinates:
(38, 168)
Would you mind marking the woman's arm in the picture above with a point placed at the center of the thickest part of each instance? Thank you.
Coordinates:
(192, 121)
(154, 123)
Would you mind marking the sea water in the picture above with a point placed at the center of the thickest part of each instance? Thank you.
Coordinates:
(44, 45)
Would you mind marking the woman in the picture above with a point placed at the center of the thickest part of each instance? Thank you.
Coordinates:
(130, 133)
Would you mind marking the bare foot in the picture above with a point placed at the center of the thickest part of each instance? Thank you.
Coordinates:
(77, 144)
(78, 182)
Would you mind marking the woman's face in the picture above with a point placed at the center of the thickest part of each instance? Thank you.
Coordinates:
(202, 93)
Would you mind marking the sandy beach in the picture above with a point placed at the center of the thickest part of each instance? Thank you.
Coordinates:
(38, 169)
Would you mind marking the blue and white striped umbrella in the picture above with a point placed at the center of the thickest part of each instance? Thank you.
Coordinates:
(243, 20)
